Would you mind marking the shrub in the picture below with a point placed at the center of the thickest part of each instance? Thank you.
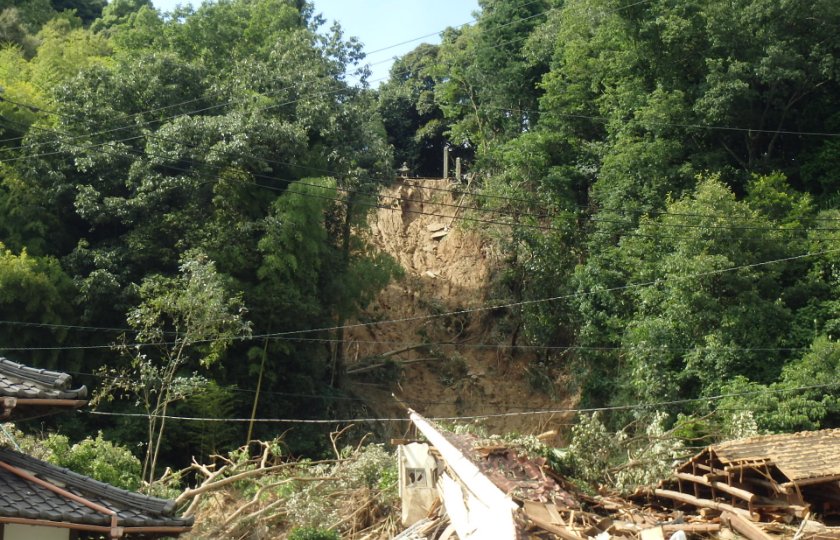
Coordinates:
(100, 459)
(313, 533)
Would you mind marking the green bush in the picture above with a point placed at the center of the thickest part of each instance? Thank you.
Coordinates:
(313, 533)
(100, 459)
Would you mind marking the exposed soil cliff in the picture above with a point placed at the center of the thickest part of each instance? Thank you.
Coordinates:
(447, 269)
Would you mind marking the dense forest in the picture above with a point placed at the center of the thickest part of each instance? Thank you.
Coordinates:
(182, 195)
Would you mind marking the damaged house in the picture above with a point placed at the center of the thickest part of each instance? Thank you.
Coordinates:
(39, 501)
(487, 491)
(461, 486)
(768, 478)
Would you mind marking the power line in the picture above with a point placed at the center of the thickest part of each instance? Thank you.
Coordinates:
(323, 93)
(499, 306)
(660, 404)
(457, 26)
(606, 119)
(505, 109)
(453, 217)
(562, 297)
(231, 102)
(417, 344)
(513, 213)
(499, 108)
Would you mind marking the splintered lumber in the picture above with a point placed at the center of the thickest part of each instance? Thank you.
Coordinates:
(556, 518)
(541, 517)
(742, 493)
(603, 525)
(772, 485)
(691, 527)
(745, 527)
(702, 503)
(655, 533)
(811, 481)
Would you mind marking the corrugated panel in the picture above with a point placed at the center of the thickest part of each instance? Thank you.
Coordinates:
(799, 456)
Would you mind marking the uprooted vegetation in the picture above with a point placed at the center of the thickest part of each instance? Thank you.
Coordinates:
(261, 492)
(269, 494)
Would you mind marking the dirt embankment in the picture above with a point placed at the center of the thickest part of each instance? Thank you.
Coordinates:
(463, 372)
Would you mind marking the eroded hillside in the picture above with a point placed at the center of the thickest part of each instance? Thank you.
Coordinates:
(466, 370)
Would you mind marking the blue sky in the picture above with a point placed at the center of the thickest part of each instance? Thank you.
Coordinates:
(383, 23)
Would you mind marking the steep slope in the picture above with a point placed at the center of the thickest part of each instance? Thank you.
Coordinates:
(465, 370)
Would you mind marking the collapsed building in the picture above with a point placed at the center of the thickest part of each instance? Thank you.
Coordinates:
(460, 486)
(768, 478)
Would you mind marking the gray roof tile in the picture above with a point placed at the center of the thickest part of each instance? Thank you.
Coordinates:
(25, 499)
(19, 381)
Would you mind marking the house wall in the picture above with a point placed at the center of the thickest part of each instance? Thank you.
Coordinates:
(417, 497)
(14, 531)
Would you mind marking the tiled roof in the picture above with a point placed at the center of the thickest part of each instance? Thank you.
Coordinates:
(22, 498)
(22, 382)
(799, 456)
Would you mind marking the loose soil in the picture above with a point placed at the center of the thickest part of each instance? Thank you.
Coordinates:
(444, 273)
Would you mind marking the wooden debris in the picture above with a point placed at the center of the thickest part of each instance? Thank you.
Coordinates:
(745, 527)
(541, 517)
(654, 533)
(772, 478)
(703, 503)
(692, 527)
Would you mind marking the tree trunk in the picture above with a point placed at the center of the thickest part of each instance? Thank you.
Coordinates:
(338, 352)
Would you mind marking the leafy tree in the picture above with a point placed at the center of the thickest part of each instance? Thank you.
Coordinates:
(36, 291)
(13, 31)
(118, 12)
(488, 89)
(186, 320)
(413, 120)
(87, 10)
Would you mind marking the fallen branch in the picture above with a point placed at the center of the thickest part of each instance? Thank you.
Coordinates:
(371, 367)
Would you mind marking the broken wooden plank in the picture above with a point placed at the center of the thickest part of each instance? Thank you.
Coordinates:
(559, 530)
(404, 441)
(602, 526)
(556, 518)
(654, 533)
(745, 527)
(743, 494)
(691, 527)
(811, 481)
(702, 503)
(541, 515)
(768, 484)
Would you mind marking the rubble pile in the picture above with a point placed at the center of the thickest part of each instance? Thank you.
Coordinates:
(763, 488)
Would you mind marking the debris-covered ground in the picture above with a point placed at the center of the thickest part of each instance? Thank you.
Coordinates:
(760, 488)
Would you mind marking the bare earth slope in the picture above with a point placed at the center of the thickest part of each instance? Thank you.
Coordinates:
(447, 270)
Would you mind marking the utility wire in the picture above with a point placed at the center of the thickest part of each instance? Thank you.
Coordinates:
(418, 344)
(562, 297)
(141, 154)
(505, 109)
(486, 308)
(31, 107)
(513, 213)
(606, 119)
(232, 102)
(479, 417)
